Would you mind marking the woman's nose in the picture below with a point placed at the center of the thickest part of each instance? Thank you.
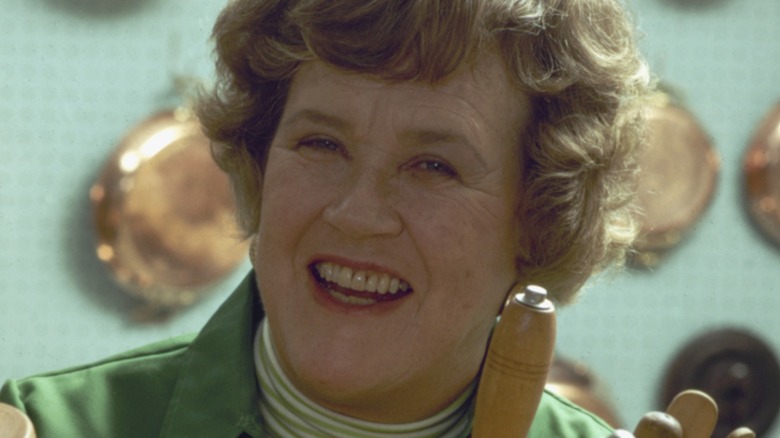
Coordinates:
(365, 207)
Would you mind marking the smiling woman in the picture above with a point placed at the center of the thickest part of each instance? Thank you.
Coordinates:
(374, 204)
(399, 165)
(575, 62)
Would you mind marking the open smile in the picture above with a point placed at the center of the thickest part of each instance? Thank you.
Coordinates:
(358, 287)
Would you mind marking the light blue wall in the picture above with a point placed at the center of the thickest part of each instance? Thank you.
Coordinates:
(73, 81)
(75, 76)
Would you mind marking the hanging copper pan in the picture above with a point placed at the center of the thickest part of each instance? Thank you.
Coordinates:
(577, 383)
(164, 213)
(762, 176)
(677, 180)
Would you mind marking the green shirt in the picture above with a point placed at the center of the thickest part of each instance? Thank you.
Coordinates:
(196, 386)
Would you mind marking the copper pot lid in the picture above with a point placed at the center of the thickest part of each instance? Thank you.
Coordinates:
(577, 383)
(678, 175)
(164, 212)
(735, 367)
(762, 176)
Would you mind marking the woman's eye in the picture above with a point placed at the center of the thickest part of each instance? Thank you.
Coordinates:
(436, 167)
(320, 143)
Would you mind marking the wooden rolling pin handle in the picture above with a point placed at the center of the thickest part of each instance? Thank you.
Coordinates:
(658, 425)
(742, 432)
(15, 423)
(515, 368)
(696, 412)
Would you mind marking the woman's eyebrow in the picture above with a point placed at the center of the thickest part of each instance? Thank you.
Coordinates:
(319, 118)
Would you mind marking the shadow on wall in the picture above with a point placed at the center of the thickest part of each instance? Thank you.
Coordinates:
(99, 8)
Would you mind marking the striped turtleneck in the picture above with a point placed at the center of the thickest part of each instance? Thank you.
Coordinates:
(287, 412)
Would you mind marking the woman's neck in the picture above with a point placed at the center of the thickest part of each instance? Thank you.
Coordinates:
(287, 412)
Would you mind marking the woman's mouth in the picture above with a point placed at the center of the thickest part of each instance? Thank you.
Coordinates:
(358, 287)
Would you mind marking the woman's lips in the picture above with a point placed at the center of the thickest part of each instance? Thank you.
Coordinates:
(358, 287)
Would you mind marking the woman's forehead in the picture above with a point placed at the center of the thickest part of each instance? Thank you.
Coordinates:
(481, 92)
(486, 72)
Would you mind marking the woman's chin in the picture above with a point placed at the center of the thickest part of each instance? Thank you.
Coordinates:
(345, 390)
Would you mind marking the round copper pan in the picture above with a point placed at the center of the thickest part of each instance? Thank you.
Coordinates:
(164, 213)
(737, 368)
(577, 383)
(762, 176)
(678, 175)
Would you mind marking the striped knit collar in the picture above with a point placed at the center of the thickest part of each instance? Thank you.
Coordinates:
(287, 412)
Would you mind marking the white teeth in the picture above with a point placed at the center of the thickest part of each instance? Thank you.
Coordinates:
(326, 270)
(393, 288)
(371, 283)
(360, 280)
(345, 277)
(352, 300)
(384, 281)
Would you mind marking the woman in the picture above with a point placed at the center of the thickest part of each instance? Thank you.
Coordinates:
(400, 166)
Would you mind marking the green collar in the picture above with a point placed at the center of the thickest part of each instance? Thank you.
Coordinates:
(217, 392)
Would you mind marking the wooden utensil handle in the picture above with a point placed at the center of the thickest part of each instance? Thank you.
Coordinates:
(696, 412)
(516, 365)
(658, 425)
(15, 423)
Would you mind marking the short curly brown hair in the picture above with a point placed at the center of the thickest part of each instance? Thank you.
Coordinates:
(576, 59)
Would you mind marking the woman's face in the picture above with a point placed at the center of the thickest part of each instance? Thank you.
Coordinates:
(387, 235)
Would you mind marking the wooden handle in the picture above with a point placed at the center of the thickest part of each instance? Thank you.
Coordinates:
(658, 425)
(691, 414)
(696, 412)
(14, 423)
(742, 432)
(516, 366)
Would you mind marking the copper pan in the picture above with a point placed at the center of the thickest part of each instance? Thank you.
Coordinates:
(164, 213)
(576, 382)
(762, 176)
(679, 169)
(737, 368)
